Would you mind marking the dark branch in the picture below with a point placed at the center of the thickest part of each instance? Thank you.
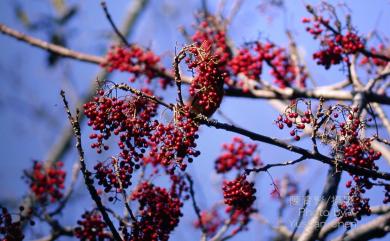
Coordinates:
(109, 18)
(86, 174)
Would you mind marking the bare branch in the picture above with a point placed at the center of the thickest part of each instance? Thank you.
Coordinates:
(64, 52)
(116, 30)
(301, 212)
(320, 215)
(268, 166)
(376, 228)
(335, 224)
(289, 94)
(196, 207)
(87, 175)
(178, 58)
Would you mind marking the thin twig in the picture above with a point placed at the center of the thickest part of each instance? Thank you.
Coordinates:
(86, 174)
(196, 207)
(109, 18)
(268, 166)
(178, 58)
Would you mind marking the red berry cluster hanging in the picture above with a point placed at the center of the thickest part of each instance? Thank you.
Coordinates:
(335, 46)
(137, 61)
(294, 120)
(211, 30)
(239, 193)
(159, 213)
(114, 175)
(237, 155)
(349, 146)
(46, 182)
(250, 61)
(173, 143)
(354, 207)
(244, 62)
(247, 63)
(128, 118)
(211, 221)
(283, 69)
(142, 139)
(91, 227)
(9, 230)
(241, 217)
(381, 49)
(207, 85)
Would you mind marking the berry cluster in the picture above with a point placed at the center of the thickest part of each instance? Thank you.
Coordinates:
(210, 30)
(336, 46)
(351, 147)
(250, 60)
(239, 193)
(295, 120)
(131, 120)
(159, 212)
(240, 216)
(91, 227)
(211, 221)
(352, 209)
(376, 61)
(137, 61)
(142, 139)
(246, 63)
(343, 129)
(207, 85)
(174, 143)
(46, 182)
(116, 174)
(283, 69)
(238, 155)
(128, 118)
(9, 229)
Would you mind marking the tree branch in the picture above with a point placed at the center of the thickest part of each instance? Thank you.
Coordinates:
(301, 213)
(376, 228)
(83, 167)
(64, 52)
(336, 224)
(320, 215)
(196, 207)
(266, 139)
(63, 145)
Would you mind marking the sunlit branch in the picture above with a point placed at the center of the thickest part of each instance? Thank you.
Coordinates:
(376, 228)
